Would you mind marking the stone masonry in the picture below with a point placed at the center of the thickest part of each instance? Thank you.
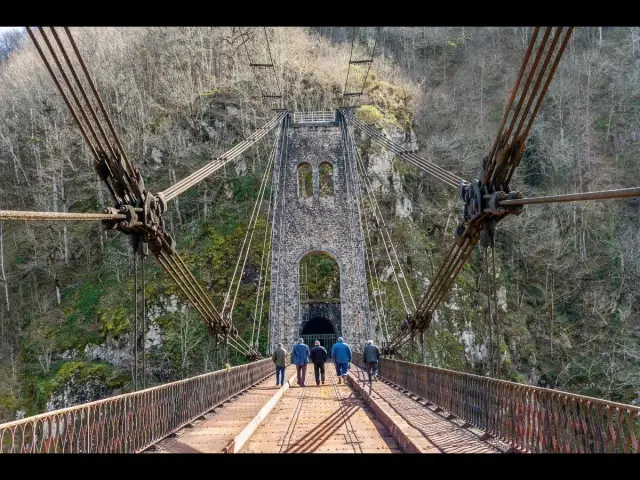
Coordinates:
(328, 225)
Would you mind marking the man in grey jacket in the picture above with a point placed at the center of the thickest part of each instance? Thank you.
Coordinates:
(370, 357)
(279, 358)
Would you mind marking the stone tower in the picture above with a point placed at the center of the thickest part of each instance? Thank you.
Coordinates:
(307, 220)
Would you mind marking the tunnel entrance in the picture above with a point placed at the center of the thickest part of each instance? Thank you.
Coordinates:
(321, 329)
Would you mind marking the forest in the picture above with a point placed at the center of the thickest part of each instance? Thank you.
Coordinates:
(568, 274)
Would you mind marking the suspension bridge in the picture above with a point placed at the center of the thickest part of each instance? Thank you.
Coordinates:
(320, 201)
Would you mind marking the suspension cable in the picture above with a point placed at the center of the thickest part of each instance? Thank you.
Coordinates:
(507, 109)
(122, 179)
(278, 312)
(127, 187)
(135, 320)
(217, 163)
(353, 193)
(495, 305)
(248, 235)
(376, 207)
(252, 229)
(144, 323)
(262, 278)
(490, 315)
(375, 281)
(574, 197)
(373, 54)
(508, 148)
(431, 168)
(100, 102)
(58, 216)
(264, 285)
(274, 65)
(353, 38)
(384, 241)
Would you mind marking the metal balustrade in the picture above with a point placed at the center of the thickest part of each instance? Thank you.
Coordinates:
(132, 422)
(531, 419)
(314, 117)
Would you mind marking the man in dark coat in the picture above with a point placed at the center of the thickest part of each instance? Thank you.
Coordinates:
(318, 357)
(370, 357)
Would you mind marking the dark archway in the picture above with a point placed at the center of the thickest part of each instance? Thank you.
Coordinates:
(321, 329)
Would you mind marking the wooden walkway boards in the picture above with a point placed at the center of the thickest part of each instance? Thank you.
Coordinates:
(353, 417)
(328, 418)
(446, 435)
(218, 429)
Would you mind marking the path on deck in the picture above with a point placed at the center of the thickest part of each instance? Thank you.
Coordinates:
(354, 417)
(328, 418)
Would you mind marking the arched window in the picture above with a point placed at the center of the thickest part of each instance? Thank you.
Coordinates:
(325, 178)
(305, 180)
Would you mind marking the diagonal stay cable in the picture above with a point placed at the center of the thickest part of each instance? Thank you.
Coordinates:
(264, 286)
(353, 191)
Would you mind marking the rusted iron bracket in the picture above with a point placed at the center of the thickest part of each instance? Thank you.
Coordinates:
(482, 210)
(145, 222)
(144, 210)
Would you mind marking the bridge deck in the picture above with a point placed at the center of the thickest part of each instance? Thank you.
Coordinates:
(431, 428)
(328, 418)
(218, 428)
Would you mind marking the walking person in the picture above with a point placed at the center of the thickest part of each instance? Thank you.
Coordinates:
(341, 354)
(318, 357)
(299, 357)
(279, 358)
(370, 357)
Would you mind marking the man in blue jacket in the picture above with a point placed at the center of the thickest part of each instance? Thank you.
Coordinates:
(341, 354)
(299, 356)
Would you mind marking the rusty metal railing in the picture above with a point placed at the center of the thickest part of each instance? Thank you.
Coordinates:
(530, 419)
(132, 422)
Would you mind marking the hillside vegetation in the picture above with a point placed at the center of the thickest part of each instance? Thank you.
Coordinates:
(568, 274)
